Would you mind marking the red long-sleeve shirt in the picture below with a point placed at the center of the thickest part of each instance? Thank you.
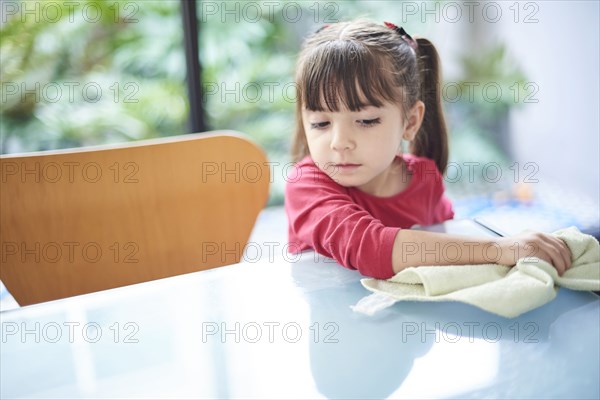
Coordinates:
(355, 228)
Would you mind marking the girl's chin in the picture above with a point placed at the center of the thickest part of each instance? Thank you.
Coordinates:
(346, 181)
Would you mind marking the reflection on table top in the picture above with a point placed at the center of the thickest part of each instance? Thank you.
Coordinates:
(284, 328)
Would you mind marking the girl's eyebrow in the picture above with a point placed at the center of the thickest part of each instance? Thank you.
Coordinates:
(367, 107)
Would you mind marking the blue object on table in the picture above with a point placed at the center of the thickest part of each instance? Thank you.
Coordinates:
(550, 210)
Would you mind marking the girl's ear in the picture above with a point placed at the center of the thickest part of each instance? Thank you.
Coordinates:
(414, 120)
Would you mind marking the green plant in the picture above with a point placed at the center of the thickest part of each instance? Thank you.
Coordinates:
(492, 80)
(492, 85)
(70, 79)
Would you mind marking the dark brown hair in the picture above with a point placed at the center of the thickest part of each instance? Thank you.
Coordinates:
(354, 64)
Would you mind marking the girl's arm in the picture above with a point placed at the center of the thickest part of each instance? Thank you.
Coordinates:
(414, 248)
(324, 217)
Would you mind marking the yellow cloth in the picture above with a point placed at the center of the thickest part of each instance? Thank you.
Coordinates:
(496, 288)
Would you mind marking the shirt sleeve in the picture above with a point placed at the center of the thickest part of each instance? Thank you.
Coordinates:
(443, 210)
(324, 217)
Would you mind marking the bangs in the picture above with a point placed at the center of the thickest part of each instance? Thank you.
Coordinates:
(345, 74)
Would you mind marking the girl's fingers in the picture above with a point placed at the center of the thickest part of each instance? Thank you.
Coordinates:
(558, 261)
(549, 248)
(565, 252)
(560, 254)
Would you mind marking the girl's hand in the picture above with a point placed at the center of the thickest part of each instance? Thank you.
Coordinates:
(536, 244)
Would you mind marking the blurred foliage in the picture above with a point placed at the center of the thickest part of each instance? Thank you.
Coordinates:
(90, 72)
(492, 65)
(481, 136)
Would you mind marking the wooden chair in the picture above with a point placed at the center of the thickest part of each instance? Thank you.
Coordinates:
(83, 220)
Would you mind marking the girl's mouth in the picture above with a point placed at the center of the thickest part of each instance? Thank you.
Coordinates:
(346, 166)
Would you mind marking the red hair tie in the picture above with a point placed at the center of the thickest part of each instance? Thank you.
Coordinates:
(321, 28)
(405, 36)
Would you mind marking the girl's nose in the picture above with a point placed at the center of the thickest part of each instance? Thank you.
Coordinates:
(341, 139)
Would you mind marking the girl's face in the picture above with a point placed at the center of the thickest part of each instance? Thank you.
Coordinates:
(358, 148)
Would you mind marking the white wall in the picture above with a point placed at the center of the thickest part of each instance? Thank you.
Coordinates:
(560, 53)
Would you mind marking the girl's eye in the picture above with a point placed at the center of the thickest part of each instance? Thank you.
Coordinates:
(369, 122)
(318, 125)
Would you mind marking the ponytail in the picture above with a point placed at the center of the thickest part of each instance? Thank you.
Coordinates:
(432, 139)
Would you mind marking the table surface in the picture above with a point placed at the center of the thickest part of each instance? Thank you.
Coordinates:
(283, 328)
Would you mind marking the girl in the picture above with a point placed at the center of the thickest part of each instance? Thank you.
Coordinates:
(362, 88)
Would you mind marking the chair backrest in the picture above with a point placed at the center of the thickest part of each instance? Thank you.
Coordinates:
(83, 220)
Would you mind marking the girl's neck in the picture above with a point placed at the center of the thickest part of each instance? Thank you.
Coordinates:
(394, 180)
